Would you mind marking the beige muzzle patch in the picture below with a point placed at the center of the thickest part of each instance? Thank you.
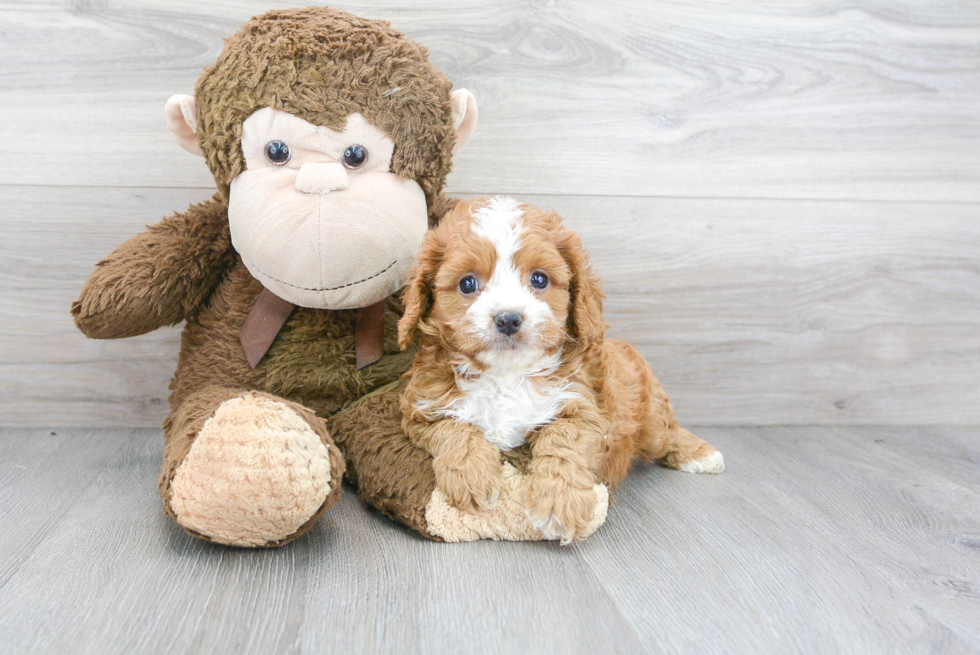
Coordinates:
(254, 475)
(507, 521)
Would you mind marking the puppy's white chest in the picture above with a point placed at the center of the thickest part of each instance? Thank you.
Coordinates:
(507, 408)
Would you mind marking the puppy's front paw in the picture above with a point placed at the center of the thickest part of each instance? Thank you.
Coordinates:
(472, 483)
(560, 510)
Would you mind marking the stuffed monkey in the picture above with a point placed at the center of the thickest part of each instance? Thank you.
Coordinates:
(329, 137)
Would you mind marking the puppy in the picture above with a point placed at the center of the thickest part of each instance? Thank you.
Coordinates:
(512, 350)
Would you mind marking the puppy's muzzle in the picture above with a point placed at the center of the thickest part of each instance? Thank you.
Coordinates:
(508, 322)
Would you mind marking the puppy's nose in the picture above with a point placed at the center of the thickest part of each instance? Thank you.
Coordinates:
(316, 177)
(508, 322)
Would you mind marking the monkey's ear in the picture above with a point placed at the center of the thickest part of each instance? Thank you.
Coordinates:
(181, 112)
(418, 295)
(464, 116)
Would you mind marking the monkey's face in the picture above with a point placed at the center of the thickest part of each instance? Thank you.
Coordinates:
(331, 136)
(318, 217)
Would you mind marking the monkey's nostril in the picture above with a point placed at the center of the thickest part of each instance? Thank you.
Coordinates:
(508, 322)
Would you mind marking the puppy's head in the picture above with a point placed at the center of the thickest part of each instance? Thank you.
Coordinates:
(504, 284)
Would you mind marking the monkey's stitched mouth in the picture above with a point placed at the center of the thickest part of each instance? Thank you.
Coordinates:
(342, 286)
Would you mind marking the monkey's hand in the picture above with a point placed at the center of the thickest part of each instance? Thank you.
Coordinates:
(158, 277)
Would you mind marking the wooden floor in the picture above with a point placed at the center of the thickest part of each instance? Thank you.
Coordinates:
(815, 540)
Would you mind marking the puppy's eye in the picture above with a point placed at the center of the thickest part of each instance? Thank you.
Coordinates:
(468, 285)
(539, 280)
(277, 152)
(355, 156)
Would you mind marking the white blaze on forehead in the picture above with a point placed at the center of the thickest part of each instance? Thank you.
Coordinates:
(500, 223)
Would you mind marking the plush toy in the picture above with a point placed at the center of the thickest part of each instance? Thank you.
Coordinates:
(330, 137)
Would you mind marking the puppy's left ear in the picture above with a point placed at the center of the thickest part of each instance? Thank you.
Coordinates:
(418, 296)
(585, 317)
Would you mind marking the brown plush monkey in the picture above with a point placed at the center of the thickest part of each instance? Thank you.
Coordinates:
(330, 138)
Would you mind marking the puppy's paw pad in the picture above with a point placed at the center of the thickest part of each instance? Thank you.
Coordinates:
(713, 463)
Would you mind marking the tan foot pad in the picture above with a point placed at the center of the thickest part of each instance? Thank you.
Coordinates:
(254, 475)
(507, 521)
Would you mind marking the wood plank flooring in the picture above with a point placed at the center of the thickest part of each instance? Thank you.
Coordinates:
(815, 540)
(782, 199)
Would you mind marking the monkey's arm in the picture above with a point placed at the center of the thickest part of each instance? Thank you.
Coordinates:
(158, 277)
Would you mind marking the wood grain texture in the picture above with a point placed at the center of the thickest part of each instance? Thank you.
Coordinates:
(871, 99)
(750, 311)
(814, 540)
(956, 457)
(123, 579)
(812, 528)
(782, 199)
(822, 267)
(39, 484)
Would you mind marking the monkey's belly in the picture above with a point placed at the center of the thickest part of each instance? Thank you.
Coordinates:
(311, 361)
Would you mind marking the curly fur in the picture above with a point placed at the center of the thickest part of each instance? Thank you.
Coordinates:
(612, 409)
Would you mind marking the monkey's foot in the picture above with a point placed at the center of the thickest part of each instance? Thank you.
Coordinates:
(507, 521)
(256, 474)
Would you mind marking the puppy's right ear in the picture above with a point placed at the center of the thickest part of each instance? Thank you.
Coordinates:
(418, 295)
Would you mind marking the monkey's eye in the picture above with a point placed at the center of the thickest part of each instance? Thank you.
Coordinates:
(468, 285)
(355, 156)
(277, 152)
(539, 280)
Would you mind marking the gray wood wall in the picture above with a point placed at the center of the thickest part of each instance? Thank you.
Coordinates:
(782, 197)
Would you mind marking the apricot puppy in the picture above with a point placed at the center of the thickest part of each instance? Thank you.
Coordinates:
(512, 350)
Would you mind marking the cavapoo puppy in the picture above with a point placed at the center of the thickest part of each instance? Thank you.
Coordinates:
(512, 350)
